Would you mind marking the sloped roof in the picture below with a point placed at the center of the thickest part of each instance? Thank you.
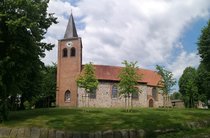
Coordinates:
(111, 73)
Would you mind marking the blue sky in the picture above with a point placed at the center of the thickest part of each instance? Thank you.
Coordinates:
(148, 31)
(191, 35)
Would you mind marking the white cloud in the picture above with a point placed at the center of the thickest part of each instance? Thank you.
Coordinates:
(147, 31)
(182, 61)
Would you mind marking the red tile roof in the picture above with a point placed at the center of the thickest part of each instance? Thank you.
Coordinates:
(110, 73)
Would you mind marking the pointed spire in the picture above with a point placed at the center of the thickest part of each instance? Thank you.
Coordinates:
(71, 28)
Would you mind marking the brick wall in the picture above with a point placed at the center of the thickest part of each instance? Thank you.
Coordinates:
(68, 70)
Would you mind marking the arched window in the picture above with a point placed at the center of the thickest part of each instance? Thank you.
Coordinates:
(65, 52)
(73, 52)
(154, 94)
(114, 91)
(67, 96)
(92, 94)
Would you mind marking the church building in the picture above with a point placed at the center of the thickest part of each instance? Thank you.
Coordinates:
(69, 66)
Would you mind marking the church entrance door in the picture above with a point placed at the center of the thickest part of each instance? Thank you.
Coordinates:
(150, 103)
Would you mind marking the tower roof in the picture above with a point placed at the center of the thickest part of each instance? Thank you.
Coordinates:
(71, 30)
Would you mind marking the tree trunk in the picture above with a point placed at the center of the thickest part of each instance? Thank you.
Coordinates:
(164, 98)
(128, 103)
(22, 100)
(131, 102)
(88, 96)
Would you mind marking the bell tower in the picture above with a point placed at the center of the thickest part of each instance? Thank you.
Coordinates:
(68, 66)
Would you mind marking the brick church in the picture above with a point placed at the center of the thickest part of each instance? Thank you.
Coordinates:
(106, 95)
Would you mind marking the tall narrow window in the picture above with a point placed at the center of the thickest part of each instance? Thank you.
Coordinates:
(65, 51)
(67, 96)
(135, 95)
(73, 52)
(92, 94)
(114, 91)
(154, 94)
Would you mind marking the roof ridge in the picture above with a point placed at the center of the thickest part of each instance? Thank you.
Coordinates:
(108, 66)
(122, 67)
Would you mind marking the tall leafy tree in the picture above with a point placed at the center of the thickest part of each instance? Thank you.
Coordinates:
(87, 80)
(188, 87)
(167, 81)
(204, 68)
(203, 83)
(23, 24)
(47, 92)
(129, 81)
(204, 46)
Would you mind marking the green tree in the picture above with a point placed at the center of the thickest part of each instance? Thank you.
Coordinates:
(188, 87)
(48, 87)
(23, 24)
(129, 81)
(203, 83)
(176, 96)
(204, 46)
(87, 80)
(167, 82)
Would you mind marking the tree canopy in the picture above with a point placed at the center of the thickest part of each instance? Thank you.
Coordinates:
(47, 89)
(87, 79)
(23, 24)
(203, 72)
(129, 78)
(167, 81)
(204, 46)
(188, 87)
(203, 83)
(176, 96)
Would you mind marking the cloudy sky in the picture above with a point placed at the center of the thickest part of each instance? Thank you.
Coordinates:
(162, 32)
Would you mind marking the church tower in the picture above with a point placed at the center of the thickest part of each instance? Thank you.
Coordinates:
(69, 66)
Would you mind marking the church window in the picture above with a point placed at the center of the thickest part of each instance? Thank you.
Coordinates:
(67, 96)
(154, 93)
(92, 94)
(65, 51)
(135, 95)
(73, 52)
(114, 91)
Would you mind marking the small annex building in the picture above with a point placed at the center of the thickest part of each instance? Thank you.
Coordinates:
(69, 66)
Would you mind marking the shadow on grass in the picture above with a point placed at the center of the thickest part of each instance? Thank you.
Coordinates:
(105, 119)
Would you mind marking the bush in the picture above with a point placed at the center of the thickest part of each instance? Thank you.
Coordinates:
(27, 105)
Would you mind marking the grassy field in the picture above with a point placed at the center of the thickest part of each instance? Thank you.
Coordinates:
(108, 119)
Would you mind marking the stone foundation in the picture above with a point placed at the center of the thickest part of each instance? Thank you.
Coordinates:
(50, 133)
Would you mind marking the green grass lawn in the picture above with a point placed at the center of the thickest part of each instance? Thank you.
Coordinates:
(105, 119)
